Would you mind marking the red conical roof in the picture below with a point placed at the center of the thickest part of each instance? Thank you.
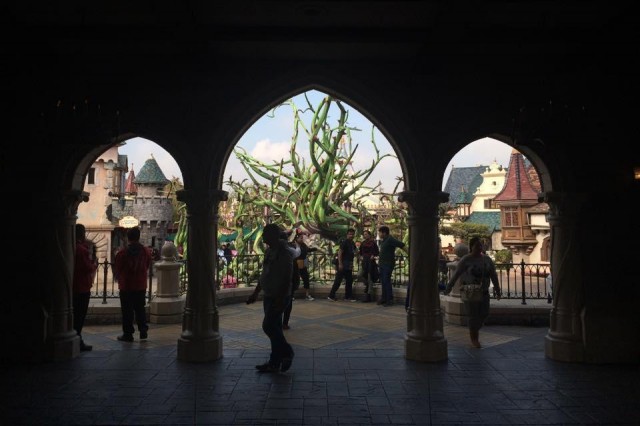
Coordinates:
(129, 186)
(517, 184)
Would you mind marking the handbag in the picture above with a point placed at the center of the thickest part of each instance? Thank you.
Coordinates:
(471, 293)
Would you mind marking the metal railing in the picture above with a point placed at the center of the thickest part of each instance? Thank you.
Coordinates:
(524, 281)
(321, 270)
(517, 280)
(105, 285)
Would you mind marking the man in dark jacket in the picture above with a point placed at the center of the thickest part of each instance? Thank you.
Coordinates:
(346, 253)
(275, 282)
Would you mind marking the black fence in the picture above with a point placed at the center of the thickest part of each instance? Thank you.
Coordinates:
(105, 285)
(517, 280)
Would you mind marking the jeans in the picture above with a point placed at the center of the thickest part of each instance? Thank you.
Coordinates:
(385, 282)
(304, 274)
(132, 302)
(347, 274)
(80, 307)
(272, 327)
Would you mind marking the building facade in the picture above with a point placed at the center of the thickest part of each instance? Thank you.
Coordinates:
(104, 182)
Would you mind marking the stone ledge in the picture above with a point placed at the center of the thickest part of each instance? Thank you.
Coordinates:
(503, 312)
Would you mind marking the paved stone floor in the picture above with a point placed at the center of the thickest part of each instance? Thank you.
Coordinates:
(349, 369)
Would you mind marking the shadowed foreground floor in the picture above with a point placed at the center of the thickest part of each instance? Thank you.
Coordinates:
(349, 369)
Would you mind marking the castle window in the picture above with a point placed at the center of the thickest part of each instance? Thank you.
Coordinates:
(91, 177)
(490, 204)
(510, 216)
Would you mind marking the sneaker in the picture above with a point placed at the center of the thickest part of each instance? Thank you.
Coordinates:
(85, 348)
(310, 298)
(143, 335)
(268, 368)
(333, 299)
(350, 300)
(286, 362)
(285, 326)
(126, 338)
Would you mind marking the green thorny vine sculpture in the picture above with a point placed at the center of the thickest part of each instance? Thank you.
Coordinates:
(308, 197)
(294, 194)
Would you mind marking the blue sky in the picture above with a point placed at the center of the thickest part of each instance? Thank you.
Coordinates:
(270, 137)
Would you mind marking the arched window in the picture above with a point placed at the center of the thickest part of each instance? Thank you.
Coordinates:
(545, 250)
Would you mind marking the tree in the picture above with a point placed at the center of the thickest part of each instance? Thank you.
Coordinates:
(170, 189)
(466, 230)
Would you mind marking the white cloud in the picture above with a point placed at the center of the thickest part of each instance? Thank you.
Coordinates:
(267, 151)
(481, 152)
(139, 150)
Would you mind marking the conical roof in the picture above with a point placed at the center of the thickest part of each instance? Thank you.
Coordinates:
(150, 174)
(129, 186)
(517, 184)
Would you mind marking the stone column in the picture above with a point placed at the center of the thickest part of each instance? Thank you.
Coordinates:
(167, 307)
(564, 342)
(200, 340)
(425, 339)
(62, 342)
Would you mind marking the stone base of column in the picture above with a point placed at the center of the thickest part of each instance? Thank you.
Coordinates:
(166, 310)
(425, 350)
(165, 319)
(562, 349)
(453, 310)
(200, 350)
(64, 347)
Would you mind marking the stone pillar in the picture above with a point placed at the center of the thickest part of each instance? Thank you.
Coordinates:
(167, 307)
(425, 339)
(200, 340)
(62, 342)
(564, 342)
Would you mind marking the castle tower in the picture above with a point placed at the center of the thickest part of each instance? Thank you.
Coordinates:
(150, 204)
(515, 198)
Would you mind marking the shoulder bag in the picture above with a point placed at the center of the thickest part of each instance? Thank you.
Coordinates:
(473, 292)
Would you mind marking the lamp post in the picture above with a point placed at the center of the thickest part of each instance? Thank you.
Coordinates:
(463, 205)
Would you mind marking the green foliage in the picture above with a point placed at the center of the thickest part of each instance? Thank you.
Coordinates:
(504, 256)
(465, 230)
(175, 184)
(310, 196)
